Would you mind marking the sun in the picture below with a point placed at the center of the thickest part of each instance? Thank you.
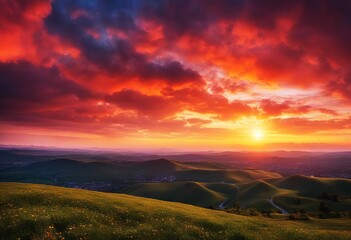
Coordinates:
(257, 134)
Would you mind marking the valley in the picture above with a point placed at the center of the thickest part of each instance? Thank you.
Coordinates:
(208, 184)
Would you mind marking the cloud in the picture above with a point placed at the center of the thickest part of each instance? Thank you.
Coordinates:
(271, 42)
(115, 55)
(150, 105)
(25, 87)
(307, 126)
(341, 86)
(171, 102)
(272, 108)
(201, 101)
(19, 21)
(129, 66)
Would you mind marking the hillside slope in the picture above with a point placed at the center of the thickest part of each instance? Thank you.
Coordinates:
(30, 211)
(313, 186)
(62, 171)
(199, 194)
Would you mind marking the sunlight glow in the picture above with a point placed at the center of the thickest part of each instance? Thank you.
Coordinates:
(257, 134)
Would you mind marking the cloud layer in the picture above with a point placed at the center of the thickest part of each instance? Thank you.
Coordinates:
(177, 69)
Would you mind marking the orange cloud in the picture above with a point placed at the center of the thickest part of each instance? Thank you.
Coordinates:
(176, 69)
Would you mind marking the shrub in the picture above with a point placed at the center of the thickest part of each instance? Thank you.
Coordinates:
(299, 216)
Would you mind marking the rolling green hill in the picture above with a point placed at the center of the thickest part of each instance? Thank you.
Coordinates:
(257, 194)
(286, 190)
(253, 194)
(195, 193)
(202, 184)
(312, 186)
(30, 211)
(159, 166)
(229, 176)
(224, 188)
(61, 171)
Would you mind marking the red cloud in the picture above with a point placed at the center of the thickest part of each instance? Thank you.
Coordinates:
(306, 126)
(152, 106)
(138, 66)
(19, 22)
(173, 101)
(272, 108)
(203, 102)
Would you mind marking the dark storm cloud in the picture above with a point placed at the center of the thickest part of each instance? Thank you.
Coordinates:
(319, 28)
(22, 84)
(102, 52)
(172, 71)
(324, 27)
(189, 17)
(178, 17)
(115, 55)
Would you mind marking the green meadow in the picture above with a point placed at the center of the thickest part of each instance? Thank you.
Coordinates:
(32, 211)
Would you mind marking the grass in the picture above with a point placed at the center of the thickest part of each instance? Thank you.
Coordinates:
(254, 194)
(286, 190)
(66, 170)
(195, 193)
(257, 194)
(312, 186)
(32, 211)
(311, 204)
(228, 176)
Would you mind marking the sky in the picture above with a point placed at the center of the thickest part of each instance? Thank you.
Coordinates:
(189, 75)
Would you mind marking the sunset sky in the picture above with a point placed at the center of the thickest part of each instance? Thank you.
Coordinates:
(189, 75)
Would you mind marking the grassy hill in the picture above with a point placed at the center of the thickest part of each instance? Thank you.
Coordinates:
(63, 170)
(312, 186)
(159, 166)
(286, 190)
(224, 188)
(195, 193)
(219, 175)
(66, 170)
(257, 194)
(201, 183)
(30, 211)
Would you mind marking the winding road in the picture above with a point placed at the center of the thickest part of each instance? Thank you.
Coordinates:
(276, 206)
(222, 205)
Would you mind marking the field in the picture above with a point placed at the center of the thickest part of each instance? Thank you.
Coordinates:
(66, 170)
(253, 194)
(195, 193)
(31, 211)
(205, 184)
